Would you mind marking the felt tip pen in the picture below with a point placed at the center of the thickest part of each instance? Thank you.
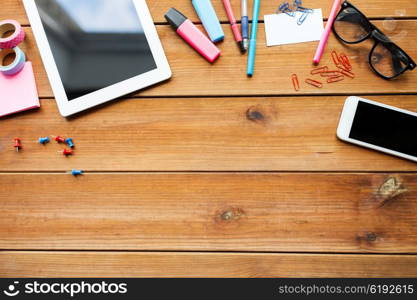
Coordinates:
(192, 35)
(252, 41)
(326, 33)
(235, 28)
(208, 17)
(245, 24)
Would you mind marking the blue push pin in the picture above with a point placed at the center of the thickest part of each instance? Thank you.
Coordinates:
(75, 172)
(70, 142)
(44, 140)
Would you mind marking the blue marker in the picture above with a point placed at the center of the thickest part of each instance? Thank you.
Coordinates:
(245, 24)
(208, 17)
(252, 42)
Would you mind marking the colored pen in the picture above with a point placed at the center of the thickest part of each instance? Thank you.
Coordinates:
(252, 42)
(245, 24)
(326, 33)
(233, 23)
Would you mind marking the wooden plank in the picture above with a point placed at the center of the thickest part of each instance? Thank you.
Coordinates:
(128, 264)
(355, 213)
(374, 9)
(236, 134)
(274, 66)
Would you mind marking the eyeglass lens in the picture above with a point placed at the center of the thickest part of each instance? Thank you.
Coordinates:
(351, 26)
(388, 60)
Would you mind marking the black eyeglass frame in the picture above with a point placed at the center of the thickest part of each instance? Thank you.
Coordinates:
(379, 37)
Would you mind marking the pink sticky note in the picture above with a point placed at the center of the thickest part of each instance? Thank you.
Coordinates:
(18, 92)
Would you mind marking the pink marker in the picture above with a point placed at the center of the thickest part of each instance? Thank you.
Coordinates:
(235, 28)
(192, 35)
(326, 33)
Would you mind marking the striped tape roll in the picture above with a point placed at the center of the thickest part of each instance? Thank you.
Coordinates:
(17, 65)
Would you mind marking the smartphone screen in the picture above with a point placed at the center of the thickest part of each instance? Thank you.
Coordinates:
(385, 128)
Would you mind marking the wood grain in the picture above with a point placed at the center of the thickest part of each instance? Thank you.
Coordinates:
(192, 75)
(209, 212)
(236, 134)
(375, 9)
(259, 212)
(171, 264)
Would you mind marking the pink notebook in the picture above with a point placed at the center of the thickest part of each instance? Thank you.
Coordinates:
(18, 92)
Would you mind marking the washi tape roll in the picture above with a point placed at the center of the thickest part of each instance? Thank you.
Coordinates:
(13, 40)
(17, 65)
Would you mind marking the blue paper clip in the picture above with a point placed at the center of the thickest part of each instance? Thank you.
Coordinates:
(303, 17)
(304, 9)
(297, 3)
(285, 8)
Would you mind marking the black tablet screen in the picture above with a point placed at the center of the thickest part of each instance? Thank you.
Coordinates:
(95, 43)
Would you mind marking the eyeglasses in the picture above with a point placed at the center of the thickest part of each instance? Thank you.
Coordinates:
(386, 58)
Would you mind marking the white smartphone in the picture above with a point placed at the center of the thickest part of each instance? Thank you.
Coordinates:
(380, 127)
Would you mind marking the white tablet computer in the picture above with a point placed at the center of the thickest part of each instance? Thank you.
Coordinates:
(96, 50)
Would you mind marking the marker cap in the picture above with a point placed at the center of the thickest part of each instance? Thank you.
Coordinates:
(175, 18)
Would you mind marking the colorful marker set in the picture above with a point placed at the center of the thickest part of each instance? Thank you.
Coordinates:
(344, 69)
(205, 45)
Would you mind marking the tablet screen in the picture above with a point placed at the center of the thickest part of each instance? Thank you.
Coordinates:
(95, 43)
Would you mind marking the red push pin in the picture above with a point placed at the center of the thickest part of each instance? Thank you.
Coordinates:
(59, 139)
(17, 144)
(66, 152)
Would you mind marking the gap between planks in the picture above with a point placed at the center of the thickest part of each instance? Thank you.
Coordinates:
(200, 172)
(323, 253)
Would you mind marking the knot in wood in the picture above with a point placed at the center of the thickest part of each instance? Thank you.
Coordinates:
(390, 189)
(232, 214)
(253, 114)
(370, 236)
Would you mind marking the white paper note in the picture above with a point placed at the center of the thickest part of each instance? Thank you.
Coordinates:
(283, 29)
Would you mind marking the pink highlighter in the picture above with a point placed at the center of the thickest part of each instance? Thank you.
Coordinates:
(192, 35)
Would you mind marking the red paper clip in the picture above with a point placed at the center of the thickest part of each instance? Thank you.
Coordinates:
(295, 82)
(336, 58)
(330, 74)
(319, 70)
(335, 79)
(347, 73)
(345, 61)
(342, 67)
(315, 83)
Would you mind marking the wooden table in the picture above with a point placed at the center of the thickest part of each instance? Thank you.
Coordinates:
(213, 173)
